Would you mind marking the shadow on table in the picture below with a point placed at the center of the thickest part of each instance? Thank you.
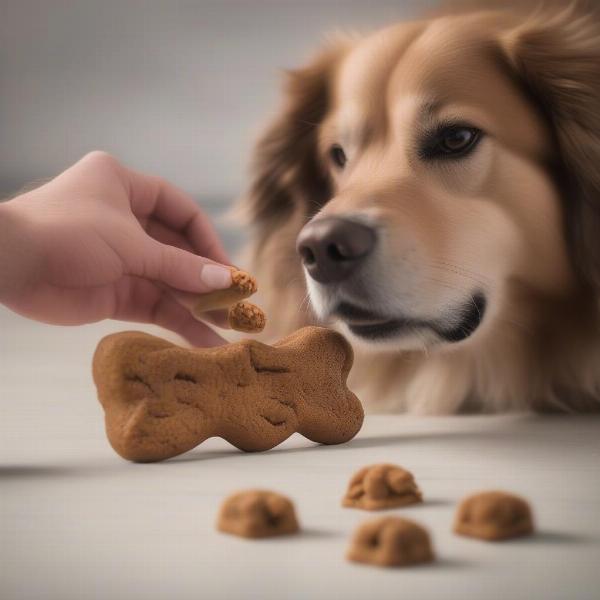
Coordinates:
(18, 472)
(312, 533)
(512, 436)
(355, 444)
(446, 562)
(546, 536)
(368, 442)
(23, 472)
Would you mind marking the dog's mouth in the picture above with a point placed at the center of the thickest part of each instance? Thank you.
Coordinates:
(371, 326)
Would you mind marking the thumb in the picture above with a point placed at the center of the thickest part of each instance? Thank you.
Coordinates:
(183, 270)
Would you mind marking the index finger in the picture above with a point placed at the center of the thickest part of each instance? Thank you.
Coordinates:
(154, 197)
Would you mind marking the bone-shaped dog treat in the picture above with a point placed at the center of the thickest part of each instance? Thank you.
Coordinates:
(161, 400)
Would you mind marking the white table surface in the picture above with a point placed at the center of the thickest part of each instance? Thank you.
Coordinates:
(77, 522)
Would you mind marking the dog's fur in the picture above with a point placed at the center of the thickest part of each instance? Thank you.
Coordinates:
(519, 218)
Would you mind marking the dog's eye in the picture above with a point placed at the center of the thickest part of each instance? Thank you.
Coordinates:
(338, 156)
(454, 141)
(457, 139)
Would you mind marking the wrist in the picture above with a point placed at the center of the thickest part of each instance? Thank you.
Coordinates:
(17, 261)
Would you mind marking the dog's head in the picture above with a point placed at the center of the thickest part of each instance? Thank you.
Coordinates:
(431, 168)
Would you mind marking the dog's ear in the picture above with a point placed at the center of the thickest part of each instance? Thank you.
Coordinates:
(285, 169)
(556, 56)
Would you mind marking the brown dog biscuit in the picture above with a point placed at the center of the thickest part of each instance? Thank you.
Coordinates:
(161, 400)
(257, 514)
(241, 316)
(493, 516)
(243, 285)
(382, 486)
(391, 542)
(246, 317)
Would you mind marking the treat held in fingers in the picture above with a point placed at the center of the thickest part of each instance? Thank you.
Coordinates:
(243, 285)
(241, 316)
(246, 317)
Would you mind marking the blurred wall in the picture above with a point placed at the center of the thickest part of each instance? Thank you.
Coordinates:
(178, 88)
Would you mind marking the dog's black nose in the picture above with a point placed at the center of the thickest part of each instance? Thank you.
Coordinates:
(332, 248)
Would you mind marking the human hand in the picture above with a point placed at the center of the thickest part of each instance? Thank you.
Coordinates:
(101, 241)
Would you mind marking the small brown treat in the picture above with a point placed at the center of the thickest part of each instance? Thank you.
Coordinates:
(241, 316)
(246, 317)
(391, 542)
(257, 514)
(161, 400)
(243, 285)
(382, 486)
(493, 516)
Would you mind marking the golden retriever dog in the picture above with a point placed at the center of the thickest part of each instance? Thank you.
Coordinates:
(432, 190)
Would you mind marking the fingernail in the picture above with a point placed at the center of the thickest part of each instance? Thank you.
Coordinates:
(215, 276)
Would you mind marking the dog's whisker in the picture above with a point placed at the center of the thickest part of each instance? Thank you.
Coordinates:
(305, 122)
(305, 303)
(476, 305)
(467, 273)
(446, 284)
(424, 345)
(519, 324)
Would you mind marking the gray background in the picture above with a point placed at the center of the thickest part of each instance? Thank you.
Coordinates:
(177, 88)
